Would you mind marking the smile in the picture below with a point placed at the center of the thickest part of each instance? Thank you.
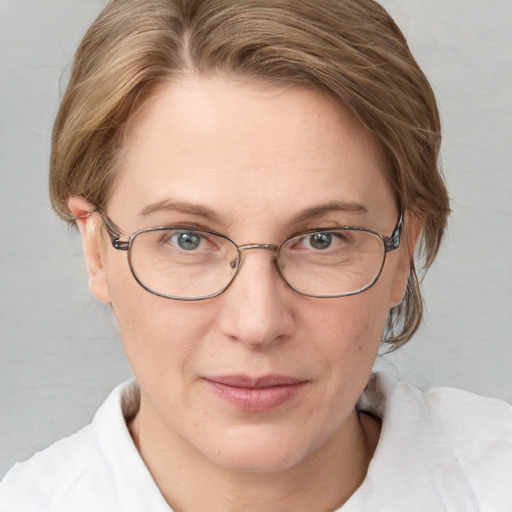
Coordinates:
(256, 394)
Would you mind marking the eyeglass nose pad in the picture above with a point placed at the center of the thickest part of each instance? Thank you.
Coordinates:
(235, 262)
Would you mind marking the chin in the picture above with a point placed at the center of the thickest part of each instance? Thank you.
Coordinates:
(247, 461)
(256, 450)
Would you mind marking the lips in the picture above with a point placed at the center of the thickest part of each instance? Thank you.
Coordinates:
(255, 394)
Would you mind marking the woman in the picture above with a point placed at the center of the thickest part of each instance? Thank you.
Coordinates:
(251, 181)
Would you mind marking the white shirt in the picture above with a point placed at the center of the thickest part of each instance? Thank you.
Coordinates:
(443, 450)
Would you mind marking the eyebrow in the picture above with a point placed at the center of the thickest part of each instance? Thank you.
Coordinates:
(183, 207)
(332, 206)
(211, 215)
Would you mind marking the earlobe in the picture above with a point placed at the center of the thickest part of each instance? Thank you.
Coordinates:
(413, 225)
(89, 227)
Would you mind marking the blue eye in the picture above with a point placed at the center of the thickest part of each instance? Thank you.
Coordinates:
(186, 241)
(320, 240)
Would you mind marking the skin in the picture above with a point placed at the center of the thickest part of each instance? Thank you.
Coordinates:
(256, 156)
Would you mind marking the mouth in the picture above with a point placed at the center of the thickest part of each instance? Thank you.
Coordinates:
(258, 394)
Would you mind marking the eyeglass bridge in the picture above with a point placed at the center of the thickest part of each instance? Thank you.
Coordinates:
(247, 247)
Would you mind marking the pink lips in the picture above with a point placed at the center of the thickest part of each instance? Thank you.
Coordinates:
(256, 394)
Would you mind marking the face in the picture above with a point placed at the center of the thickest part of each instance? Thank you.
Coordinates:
(259, 378)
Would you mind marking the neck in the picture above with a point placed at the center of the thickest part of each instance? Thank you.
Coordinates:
(323, 481)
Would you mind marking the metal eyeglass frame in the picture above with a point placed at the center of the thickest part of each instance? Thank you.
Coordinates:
(390, 244)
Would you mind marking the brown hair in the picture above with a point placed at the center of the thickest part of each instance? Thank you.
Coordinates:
(349, 49)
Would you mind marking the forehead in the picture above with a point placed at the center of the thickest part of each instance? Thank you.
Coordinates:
(247, 149)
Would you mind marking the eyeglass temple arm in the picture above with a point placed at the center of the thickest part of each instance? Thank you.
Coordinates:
(393, 242)
(114, 232)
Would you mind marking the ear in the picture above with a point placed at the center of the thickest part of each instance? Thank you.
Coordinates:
(413, 225)
(90, 229)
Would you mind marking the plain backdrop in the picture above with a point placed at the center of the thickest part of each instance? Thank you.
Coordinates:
(59, 351)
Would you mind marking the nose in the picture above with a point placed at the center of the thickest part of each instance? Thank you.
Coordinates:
(257, 308)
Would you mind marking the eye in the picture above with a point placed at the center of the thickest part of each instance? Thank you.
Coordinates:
(320, 240)
(186, 240)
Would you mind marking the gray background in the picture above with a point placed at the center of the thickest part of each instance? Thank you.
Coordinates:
(59, 351)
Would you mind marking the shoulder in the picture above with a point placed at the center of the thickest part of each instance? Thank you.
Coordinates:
(449, 446)
(451, 410)
(461, 414)
(462, 420)
(84, 471)
(47, 473)
(476, 436)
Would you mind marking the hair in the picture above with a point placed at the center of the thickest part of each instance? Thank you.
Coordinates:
(351, 50)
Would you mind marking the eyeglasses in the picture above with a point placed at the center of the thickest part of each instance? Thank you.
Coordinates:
(184, 263)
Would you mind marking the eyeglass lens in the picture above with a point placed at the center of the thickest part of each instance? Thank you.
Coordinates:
(190, 264)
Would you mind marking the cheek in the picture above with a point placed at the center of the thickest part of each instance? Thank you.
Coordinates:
(343, 337)
(353, 322)
(160, 336)
(348, 332)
